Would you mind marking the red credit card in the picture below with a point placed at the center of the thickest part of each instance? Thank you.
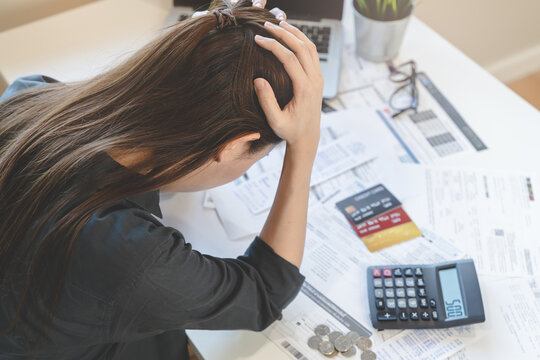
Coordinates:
(381, 222)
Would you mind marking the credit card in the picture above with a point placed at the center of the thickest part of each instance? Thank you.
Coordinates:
(368, 204)
(384, 221)
(391, 236)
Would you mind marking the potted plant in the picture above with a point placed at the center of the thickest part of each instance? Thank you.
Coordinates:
(380, 26)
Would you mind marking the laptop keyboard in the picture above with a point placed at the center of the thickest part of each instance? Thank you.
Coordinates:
(320, 35)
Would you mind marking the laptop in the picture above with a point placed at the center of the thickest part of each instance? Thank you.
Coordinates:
(320, 20)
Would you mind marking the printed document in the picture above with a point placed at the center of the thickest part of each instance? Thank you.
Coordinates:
(491, 215)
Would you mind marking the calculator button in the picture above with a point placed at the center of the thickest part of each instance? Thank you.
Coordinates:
(411, 292)
(432, 303)
(398, 272)
(376, 272)
(414, 315)
(391, 304)
(402, 303)
(389, 293)
(422, 292)
(400, 292)
(408, 272)
(403, 316)
(434, 315)
(399, 282)
(418, 272)
(420, 282)
(387, 272)
(379, 304)
(377, 283)
(387, 316)
(388, 282)
(423, 303)
(379, 293)
(412, 303)
(409, 282)
(425, 315)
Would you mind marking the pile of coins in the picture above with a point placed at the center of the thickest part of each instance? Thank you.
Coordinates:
(330, 343)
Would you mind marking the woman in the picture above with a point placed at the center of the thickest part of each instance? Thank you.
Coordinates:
(87, 270)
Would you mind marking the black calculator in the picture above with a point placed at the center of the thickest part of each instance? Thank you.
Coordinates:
(424, 296)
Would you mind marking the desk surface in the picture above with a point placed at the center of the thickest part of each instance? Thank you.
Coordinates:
(82, 42)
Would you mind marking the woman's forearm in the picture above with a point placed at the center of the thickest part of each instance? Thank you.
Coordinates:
(285, 228)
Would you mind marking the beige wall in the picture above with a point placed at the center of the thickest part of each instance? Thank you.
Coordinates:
(501, 35)
(18, 12)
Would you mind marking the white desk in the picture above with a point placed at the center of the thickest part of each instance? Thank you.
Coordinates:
(81, 42)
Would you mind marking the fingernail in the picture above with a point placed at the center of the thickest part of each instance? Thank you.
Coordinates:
(258, 38)
(280, 17)
(283, 22)
(259, 84)
(257, 3)
(268, 24)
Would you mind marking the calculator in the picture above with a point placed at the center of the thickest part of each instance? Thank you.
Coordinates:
(424, 296)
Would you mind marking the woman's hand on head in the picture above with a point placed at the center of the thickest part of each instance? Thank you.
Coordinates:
(299, 122)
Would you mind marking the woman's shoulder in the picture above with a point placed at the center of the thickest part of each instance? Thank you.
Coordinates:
(26, 82)
(118, 244)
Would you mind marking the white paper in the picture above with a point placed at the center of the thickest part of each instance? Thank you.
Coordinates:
(488, 214)
(333, 158)
(512, 322)
(433, 344)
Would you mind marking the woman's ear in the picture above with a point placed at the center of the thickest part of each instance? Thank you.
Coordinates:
(237, 148)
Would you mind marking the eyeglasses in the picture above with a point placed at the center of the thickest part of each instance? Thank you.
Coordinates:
(405, 97)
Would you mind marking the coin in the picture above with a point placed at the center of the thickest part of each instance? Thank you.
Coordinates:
(326, 348)
(364, 343)
(333, 336)
(322, 330)
(314, 341)
(368, 355)
(354, 336)
(351, 352)
(343, 343)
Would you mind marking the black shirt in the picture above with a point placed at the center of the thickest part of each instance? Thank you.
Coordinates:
(133, 285)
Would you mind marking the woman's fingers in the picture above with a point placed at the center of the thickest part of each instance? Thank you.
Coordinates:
(268, 102)
(300, 48)
(279, 14)
(287, 58)
(259, 3)
(300, 35)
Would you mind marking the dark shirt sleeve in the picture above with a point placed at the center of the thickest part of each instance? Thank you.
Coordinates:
(26, 82)
(183, 289)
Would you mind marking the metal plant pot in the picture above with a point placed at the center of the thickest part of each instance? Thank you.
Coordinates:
(378, 40)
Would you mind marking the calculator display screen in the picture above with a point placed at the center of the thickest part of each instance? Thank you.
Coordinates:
(451, 291)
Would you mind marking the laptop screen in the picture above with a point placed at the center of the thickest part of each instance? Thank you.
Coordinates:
(295, 9)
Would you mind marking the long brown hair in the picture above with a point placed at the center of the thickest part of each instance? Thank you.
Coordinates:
(183, 96)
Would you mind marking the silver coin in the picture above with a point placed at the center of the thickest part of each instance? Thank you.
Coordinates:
(314, 342)
(333, 336)
(368, 355)
(351, 352)
(322, 330)
(343, 343)
(354, 336)
(326, 348)
(364, 343)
